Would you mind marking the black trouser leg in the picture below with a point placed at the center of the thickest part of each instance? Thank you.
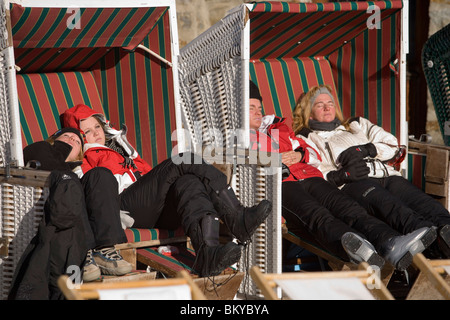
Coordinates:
(146, 198)
(349, 211)
(383, 204)
(187, 202)
(102, 203)
(301, 210)
(427, 207)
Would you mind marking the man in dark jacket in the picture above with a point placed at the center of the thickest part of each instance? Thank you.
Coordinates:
(59, 245)
(78, 216)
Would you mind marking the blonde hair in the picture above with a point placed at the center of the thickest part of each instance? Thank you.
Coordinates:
(80, 154)
(303, 107)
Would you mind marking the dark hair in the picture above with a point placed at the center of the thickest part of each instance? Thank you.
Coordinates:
(254, 91)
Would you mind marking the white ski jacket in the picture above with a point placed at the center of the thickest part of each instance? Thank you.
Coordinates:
(330, 144)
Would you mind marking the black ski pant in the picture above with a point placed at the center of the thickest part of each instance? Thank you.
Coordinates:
(327, 213)
(102, 223)
(398, 202)
(173, 193)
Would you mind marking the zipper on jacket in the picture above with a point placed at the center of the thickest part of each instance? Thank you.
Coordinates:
(327, 146)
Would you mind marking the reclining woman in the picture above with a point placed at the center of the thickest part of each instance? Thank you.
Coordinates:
(348, 146)
(337, 222)
(74, 225)
(193, 195)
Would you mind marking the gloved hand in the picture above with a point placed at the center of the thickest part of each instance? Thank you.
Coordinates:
(357, 152)
(285, 172)
(355, 170)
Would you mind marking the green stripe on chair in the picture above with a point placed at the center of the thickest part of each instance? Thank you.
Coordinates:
(101, 27)
(43, 97)
(138, 234)
(134, 100)
(416, 169)
(282, 81)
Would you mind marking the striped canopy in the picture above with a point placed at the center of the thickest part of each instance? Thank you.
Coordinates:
(89, 55)
(352, 46)
(82, 27)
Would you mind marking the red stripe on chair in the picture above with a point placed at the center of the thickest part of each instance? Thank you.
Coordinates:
(138, 101)
(416, 169)
(137, 234)
(56, 59)
(308, 29)
(82, 27)
(43, 97)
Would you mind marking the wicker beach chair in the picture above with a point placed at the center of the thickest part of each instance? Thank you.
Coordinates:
(436, 67)
(213, 104)
(286, 48)
(126, 70)
(123, 63)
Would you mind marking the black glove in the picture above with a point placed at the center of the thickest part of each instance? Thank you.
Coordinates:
(285, 172)
(357, 152)
(356, 170)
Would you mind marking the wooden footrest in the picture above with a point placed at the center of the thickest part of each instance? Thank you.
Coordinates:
(132, 276)
(221, 287)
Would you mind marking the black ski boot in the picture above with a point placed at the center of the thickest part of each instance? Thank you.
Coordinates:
(444, 240)
(211, 256)
(241, 221)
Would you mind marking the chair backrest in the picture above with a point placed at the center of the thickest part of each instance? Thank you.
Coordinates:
(324, 285)
(287, 79)
(44, 96)
(180, 288)
(436, 66)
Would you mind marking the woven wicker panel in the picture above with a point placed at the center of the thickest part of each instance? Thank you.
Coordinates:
(253, 184)
(5, 127)
(210, 83)
(211, 74)
(436, 66)
(20, 213)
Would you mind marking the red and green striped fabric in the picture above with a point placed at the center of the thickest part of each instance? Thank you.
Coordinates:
(281, 81)
(310, 29)
(366, 75)
(139, 92)
(82, 27)
(416, 169)
(34, 60)
(294, 46)
(136, 235)
(44, 96)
